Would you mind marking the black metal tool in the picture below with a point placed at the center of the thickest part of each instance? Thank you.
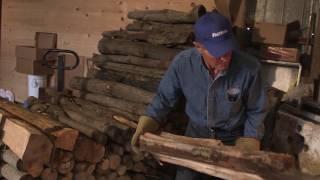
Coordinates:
(60, 64)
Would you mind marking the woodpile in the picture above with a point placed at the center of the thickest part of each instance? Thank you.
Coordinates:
(102, 150)
(140, 54)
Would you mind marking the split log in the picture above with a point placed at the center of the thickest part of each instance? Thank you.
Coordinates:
(168, 16)
(139, 49)
(212, 170)
(83, 176)
(125, 121)
(63, 161)
(257, 162)
(134, 108)
(28, 143)
(88, 131)
(104, 165)
(11, 173)
(114, 161)
(88, 151)
(54, 129)
(49, 174)
(101, 60)
(133, 69)
(122, 170)
(146, 83)
(85, 167)
(155, 26)
(111, 88)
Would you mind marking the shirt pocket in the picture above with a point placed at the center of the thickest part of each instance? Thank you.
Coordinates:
(233, 104)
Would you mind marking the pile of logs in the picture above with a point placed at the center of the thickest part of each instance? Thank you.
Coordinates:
(93, 146)
(140, 54)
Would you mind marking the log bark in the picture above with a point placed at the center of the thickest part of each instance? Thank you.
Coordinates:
(54, 129)
(168, 16)
(88, 131)
(143, 82)
(139, 49)
(134, 108)
(86, 121)
(101, 60)
(168, 37)
(11, 173)
(155, 26)
(141, 71)
(258, 162)
(111, 88)
(28, 144)
(88, 151)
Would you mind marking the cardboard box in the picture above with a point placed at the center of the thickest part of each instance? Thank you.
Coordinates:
(281, 54)
(26, 66)
(28, 58)
(46, 40)
(269, 33)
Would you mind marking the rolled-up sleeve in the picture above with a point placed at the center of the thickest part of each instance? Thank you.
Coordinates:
(168, 94)
(256, 108)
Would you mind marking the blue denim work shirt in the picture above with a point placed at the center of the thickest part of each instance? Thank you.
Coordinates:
(233, 99)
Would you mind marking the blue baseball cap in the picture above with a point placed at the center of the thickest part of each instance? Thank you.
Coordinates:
(214, 31)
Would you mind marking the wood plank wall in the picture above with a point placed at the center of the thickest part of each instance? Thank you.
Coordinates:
(79, 24)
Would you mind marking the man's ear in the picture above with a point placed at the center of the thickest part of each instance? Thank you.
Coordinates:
(198, 46)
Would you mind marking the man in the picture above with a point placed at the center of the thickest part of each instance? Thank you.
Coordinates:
(225, 97)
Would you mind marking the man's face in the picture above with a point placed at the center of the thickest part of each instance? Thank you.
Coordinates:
(213, 63)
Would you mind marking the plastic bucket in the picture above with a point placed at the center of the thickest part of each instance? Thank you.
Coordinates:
(34, 83)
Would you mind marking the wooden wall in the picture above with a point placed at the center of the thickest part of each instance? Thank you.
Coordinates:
(79, 24)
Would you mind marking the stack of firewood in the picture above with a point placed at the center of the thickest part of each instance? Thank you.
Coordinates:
(140, 54)
(32, 144)
(36, 146)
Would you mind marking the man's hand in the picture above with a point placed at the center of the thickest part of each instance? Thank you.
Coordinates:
(146, 124)
(248, 144)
